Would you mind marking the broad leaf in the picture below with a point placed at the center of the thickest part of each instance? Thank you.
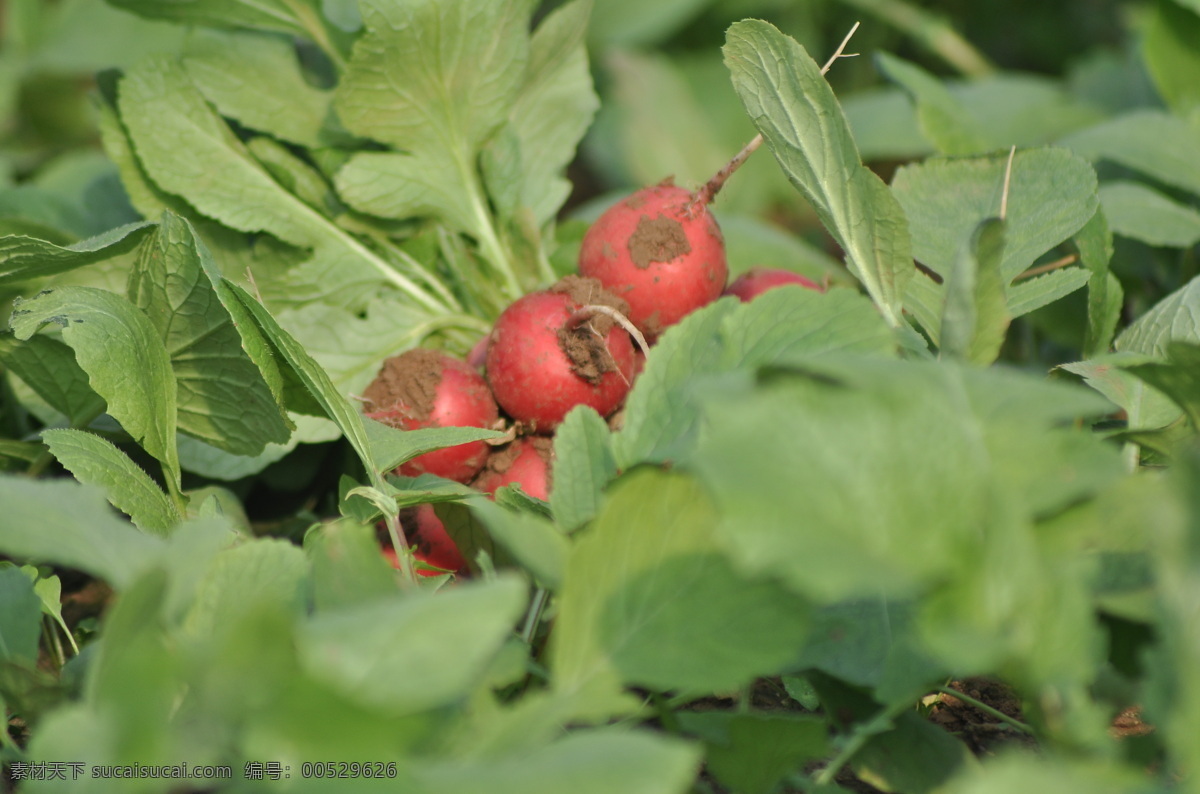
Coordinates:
(1152, 142)
(223, 398)
(262, 574)
(1142, 213)
(49, 367)
(27, 258)
(20, 618)
(583, 466)
(123, 356)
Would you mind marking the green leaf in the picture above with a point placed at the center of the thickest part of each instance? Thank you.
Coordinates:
(554, 107)
(257, 80)
(223, 397)
(347, 565)
(583, 466)
(27, 258)
(49, 367)
(1176, 318)
(1062, 775)
(1052, 194)
(277, 15)
(751, 753)
(915, 756)
(123, 356)
(20, 618)
(1146, 407)
(1105, 296)
(1030, 294)
(434, 79)
(796, 112)
(390, 446)
(1169, 49)
(69, 524)
(95, 461)
(1178, 377)
(260, 575)
(535, 544)
(862, 447)
(648, 599)
(976, 317)
(414, 652)
(1144, 214)
(304, 369)
(660, 419)
(1152, 142)
(943, 121)
(164, 112)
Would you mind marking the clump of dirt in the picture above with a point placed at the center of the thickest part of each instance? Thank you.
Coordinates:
(658, 239)
(501, 460)
(981, 732)
(583, 342)
(405, 387)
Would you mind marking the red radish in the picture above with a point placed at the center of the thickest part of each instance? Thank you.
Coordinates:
(661, 250)
(428, 388)
(550, 353)
(758, 280)
(524, 462)
(433, 545)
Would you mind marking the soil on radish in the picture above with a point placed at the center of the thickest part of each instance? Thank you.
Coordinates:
(658, 239)
(501, 460)
(410, 380)
(583, 343)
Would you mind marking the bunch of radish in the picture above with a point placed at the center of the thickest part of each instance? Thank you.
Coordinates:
(646, 263)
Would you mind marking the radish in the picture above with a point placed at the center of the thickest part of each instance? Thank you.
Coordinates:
(758, 280)
(432, 544)
(428, 388)
(661, 250)
(524, 462)
(555, 349)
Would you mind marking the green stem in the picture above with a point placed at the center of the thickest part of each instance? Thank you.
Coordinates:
(930, 30)
(489, 242)
(986, 709)
(535, 615)
(316, 30)
(400, 544)
(878, 724)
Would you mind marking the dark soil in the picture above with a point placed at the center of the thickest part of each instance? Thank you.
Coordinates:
(584, 342)
(406, 384)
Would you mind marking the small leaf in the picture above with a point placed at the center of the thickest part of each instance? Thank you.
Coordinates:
(391, 447)
(95, 461)
(1178, 377)
(532, 541)
(976, 316)
(123, 356)
(1030, 294)
(1174, 318)
(1105, 296)
(583, 466)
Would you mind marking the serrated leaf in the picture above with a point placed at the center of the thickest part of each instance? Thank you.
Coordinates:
(27, 258)
(262, 574)
(649, 599)
(49, 367)
(943, 121)
(70, 524)
(583, 467)
(1142, 213)
(95, 461)
(164, 112)
(795, 110)
(390, 446)
(726, 336)
(256, 80)
(223, 398)
(976, 316)
(368, 653)
(1052, 194)
(1152, 142)
(1030, 294)
(1174, 318)
(123, 356)
(1145, 406)
(308, 372)
(20, 618)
